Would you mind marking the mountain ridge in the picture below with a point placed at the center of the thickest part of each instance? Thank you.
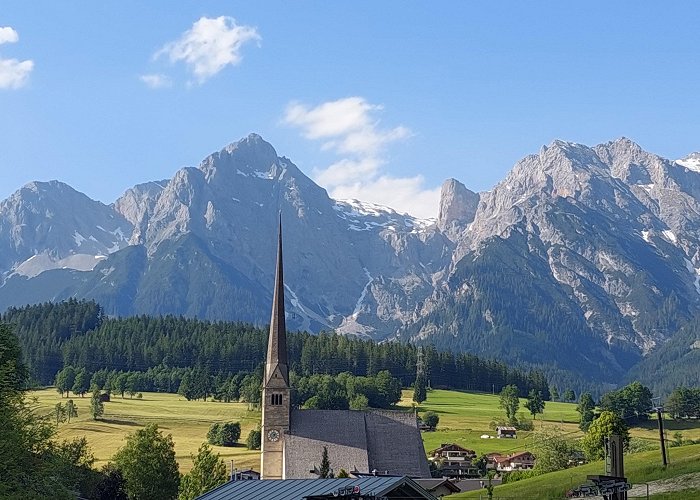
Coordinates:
(606, 238)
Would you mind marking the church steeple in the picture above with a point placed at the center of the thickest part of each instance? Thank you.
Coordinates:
(277, 341)
(276, 394)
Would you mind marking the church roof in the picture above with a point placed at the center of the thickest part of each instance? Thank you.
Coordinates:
(382, 440)
(300, 489)
(277, 341)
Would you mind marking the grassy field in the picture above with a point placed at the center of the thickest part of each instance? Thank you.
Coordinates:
(465, 417)
(187, 421)
(639, 468)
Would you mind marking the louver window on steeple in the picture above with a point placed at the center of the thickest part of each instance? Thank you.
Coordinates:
(276, 399)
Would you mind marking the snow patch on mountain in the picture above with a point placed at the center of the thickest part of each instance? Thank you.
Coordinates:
(365, 216)
(691, 162)
(37, 264)
(670, 235)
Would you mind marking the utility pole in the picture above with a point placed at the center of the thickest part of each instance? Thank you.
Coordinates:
(420, 368)
(659, 414)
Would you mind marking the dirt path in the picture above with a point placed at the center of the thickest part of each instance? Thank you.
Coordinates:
(684, 482)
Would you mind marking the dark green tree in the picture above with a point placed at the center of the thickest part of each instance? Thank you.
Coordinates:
(59, 412)
(208, 471)
(325, 470)
(97, 407)
(535, 402)
(147, 462)
(65, 380)
(111, 485)
(509, 402)
(32, 464)
(569, 396)
(585, 407)
(214, 434)
(81, 384)
(419, 388)
(554, 393)
(229, 433)
(71, 410)
(431, 419)
(632, 402)
(607, 424)
(253, 441)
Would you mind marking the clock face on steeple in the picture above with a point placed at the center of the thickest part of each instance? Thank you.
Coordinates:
(273, 435)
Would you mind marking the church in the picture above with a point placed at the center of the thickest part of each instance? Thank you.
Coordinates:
(380, 442)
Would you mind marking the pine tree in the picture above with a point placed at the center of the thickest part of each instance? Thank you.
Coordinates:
(535, 402)
(97, 407)
(325, 470)
(71, 410)
(419, 390)
(60, 413)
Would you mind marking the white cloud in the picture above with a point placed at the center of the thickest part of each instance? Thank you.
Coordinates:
(156, 81)
(349, 128)
(13, 73)
(8, 35)
(403, 194)
(210, 45)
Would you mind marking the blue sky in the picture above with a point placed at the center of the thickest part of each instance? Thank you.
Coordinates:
(376, 100)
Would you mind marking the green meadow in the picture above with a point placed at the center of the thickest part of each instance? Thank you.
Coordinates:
(187, 421)
(464, 418)
(640, 468)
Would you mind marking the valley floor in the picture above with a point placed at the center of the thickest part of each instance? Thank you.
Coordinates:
(464, 418)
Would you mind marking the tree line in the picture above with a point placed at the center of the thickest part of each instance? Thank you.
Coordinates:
(162, 349)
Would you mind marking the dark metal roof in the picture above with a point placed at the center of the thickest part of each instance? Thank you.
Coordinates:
(386, 441)
(299, 489)
(432, 484)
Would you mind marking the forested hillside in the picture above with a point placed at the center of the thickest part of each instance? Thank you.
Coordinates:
(77, 334)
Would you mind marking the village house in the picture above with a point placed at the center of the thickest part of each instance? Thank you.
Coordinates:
(452, 460)
(523, 460)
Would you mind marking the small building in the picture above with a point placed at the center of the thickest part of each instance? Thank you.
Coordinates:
(245, 475)
(506, 432)
(365, 488)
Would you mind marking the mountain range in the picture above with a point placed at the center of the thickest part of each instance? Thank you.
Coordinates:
(583, 260)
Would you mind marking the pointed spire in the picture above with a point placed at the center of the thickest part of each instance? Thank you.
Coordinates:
(277, 342)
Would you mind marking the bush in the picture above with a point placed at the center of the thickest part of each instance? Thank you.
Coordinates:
(517, 475)
(226, 434)
(431, 419)
(253, 441)
(525, 425)
(214, 433)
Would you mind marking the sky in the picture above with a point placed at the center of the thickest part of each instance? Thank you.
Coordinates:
(380, 101)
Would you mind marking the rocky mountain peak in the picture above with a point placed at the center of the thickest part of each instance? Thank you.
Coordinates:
(251, 155)
(457, 207)
(691, 162)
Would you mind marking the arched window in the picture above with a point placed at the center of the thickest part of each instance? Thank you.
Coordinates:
(276, 399)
